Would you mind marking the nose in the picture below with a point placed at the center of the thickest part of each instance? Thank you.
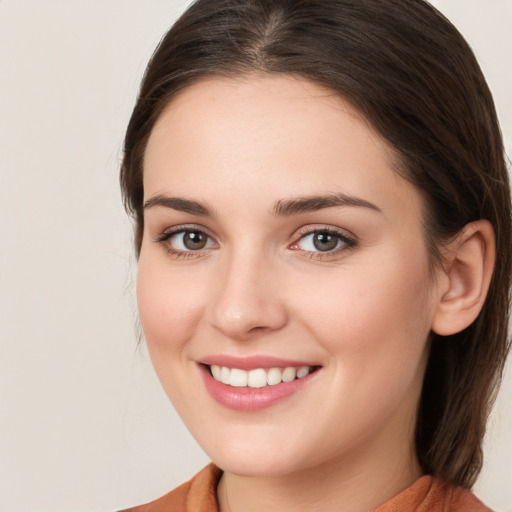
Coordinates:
(249, 301)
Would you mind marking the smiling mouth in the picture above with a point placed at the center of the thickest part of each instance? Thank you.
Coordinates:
(258, 377)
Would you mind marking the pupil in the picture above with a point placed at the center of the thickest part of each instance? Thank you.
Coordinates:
(194, 240)
(325, 241)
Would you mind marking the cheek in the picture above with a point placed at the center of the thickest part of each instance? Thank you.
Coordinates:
(372, 311)
(375, 327)
(169, 305)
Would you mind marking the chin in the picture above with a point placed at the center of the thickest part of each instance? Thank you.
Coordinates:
(256, 466)
(267, 456)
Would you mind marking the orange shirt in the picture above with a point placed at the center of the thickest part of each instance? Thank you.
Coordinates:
(428, 494)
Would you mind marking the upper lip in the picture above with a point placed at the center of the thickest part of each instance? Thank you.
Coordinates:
(253, 362)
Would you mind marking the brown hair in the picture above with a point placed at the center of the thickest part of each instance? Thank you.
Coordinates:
(412, 75)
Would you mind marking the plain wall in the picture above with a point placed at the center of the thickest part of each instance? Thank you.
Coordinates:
(84, 424)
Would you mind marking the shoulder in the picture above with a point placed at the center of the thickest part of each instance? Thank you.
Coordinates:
(431, 494)
(196, 495)
(465, 501)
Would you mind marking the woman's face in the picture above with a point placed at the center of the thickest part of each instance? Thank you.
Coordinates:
(277, 235)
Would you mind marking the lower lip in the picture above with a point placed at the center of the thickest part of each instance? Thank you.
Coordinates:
(251, 399)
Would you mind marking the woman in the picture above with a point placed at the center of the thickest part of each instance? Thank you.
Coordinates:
(322, 219)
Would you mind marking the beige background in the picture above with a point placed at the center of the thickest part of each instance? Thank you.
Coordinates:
(84, 425)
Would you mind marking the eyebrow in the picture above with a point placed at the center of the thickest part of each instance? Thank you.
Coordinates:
(286, 207)
(282, 208)
(180, 204)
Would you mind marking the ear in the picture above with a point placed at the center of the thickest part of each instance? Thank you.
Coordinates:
(465, 278)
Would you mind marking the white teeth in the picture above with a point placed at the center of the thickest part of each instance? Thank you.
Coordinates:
(259, 377)
(238, 378)
(274, 376)
(289, 374)
(216, 372)
(225, 375)
(302, 372)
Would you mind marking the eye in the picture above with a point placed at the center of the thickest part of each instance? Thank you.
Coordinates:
(185, 241)
(323, 241)
(189, 240)
(320, 242)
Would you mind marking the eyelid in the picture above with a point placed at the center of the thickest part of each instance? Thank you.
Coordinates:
(322, 228)
(173, 230)
(346, 237)
(164, 236)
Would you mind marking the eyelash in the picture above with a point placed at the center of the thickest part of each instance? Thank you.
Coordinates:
(163, 239)
(347, 242)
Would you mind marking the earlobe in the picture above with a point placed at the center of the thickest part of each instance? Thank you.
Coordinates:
(468, 270)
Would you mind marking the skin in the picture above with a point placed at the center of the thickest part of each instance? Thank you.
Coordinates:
(362, 312)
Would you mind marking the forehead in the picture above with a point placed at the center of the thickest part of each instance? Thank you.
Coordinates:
(273, 135)
(265, 105)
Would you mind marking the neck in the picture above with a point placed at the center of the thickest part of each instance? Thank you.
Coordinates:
(352, 483)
